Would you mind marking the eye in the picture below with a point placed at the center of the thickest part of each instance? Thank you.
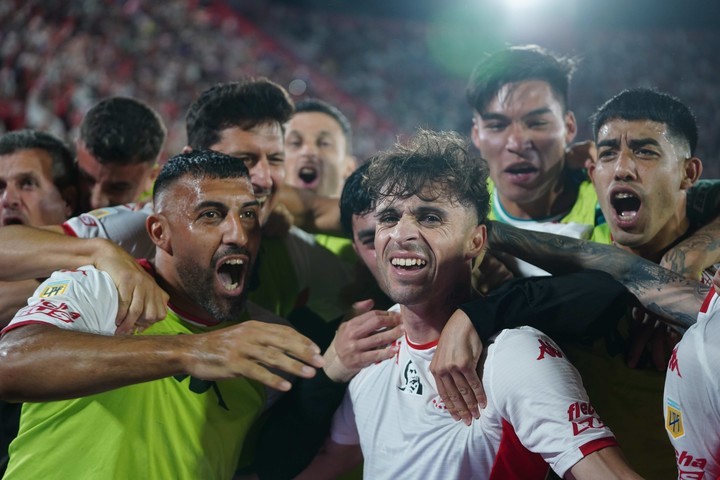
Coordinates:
(276, 160)
(325, 144)
(28, 183)
(538, 124)
(210, 215)
(646, 153)
(388, 219)
(294, 143)
(431, 219)
(249, 214)
(495, 126)
(606, 154)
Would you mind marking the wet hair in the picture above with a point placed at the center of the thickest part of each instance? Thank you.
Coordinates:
(62, 169)
(198, 164)
(243, 104)
(317, 105)
(518, 64)
(124, 131)
(355, 198)
(652, 105)
(431, 165)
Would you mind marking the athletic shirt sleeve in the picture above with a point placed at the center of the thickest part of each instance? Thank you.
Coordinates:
(122, 225)
(536, 389)
(557, 305)
(691, 403)
(84, 300)
(344, 430)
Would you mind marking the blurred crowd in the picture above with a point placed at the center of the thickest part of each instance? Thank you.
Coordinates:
(58, 59)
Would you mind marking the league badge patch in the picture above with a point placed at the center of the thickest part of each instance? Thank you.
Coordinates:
(54, 288)
(673, 419)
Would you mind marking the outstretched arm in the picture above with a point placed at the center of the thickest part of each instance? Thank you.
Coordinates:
(42, 362)
(664, 293)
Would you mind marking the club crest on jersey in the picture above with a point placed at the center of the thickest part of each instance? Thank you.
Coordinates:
(411, 380)
(673, 419)
(54, 288)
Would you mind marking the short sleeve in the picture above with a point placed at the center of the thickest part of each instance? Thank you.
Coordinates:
(344, 429)
(536, 389)
(83, 300)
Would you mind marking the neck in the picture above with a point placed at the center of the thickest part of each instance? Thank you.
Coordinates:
(671, 233)
(556, 200)
(167, 277)
(424, 321)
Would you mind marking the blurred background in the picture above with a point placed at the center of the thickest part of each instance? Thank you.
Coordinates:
(390, 65)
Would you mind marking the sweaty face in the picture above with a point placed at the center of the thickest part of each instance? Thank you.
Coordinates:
(28, 194)
(421, 248)
(261, 148)
(315, 149)
(364, 240)
(522, 133)
(105, 185)
(215, 235)
(639, 181)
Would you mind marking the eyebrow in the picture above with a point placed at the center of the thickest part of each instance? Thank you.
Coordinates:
(221, 205)
(634, 143)
(499, 116)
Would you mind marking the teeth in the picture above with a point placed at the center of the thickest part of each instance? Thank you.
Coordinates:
(408, 262)
(230, 286)
(234, 261)
(628, 215)
(624, 195)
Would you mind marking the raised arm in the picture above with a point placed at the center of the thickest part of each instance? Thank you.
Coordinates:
(665, 293)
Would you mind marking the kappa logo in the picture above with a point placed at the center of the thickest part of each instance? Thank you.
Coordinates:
(548, 348)
(673, 365)
(199, 386)
(411, 380)
(54, 288)
(582, 415)
(58, 311)
(673, 419)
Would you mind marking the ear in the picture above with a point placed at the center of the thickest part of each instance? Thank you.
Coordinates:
(476, 242)
(150, 179)
(70, 195)
(159, 231)
(570, 127)
(187, 149)
(693, 170)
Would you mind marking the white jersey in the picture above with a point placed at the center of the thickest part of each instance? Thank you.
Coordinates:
(692, 396)
(320, 275)
(538, 414)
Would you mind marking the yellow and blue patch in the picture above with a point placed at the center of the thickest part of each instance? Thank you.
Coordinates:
(673, 419)
(54, 288)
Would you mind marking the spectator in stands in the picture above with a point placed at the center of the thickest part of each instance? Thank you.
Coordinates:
(118, 150)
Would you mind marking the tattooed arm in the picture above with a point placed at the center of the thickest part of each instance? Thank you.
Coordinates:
(665, 293)
(696, 253)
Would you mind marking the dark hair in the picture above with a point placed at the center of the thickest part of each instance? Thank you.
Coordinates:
(244, 104)
(649, 104)
(431, 165)
(355, 198)
(317, 105)
(123, 131)
(198, 164)
(63, 162)
(517, 64)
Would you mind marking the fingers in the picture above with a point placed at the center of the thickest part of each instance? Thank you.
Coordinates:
(283, 339)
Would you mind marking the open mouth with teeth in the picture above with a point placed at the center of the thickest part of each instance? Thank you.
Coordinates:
(408, 263)
(308, 175)
(625, 204)
(231, 274)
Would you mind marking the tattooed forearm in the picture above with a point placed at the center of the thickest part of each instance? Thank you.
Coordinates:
(661, 291)
(696, 253)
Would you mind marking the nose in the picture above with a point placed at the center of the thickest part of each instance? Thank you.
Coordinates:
(98, 198)
(10, 196)
(625, 167)
(518, 139)
(309, 149)
(404, 230)
(234, 232)
(260, 175)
